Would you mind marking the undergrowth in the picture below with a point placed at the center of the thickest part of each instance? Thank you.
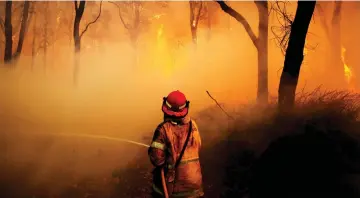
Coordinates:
(310, 151)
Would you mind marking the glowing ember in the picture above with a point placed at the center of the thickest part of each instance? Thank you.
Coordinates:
(305, 51)
(194, 23)
(347, 70)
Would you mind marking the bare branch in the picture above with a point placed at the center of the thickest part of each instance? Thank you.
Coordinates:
(285, 20)
(92, 22)
(120, 15)
(229, 116)
(240, 19)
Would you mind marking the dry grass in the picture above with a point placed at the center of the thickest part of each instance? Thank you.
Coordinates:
(320, 119)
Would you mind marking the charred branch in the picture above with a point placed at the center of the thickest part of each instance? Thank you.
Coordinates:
(92, 22)
(133, 28)
(227, 9)
(120, 15)
(285, 20)
(217, 103)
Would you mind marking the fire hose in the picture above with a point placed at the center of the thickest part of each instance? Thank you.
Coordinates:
(163, 181)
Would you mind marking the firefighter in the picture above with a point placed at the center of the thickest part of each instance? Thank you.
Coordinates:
(174, 151)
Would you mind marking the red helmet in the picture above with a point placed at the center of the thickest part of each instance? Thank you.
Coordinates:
(175, 105)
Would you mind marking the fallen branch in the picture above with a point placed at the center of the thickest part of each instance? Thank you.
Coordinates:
(219, 105)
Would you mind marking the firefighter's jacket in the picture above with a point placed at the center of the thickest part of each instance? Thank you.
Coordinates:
(168, 141)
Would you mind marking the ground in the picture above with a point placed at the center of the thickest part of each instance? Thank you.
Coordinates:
(94, 168)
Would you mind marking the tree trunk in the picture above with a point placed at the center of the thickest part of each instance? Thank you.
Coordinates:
(294, 54)
(194, 35)
(336, 73)
(262, 49)
(209, 24)
(33, 48)
(77, 38)
(24, 22)
(194, 20)
(260, 42)
(45, 40)
(8, 32)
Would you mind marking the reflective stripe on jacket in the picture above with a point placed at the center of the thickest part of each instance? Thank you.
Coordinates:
(168, 141)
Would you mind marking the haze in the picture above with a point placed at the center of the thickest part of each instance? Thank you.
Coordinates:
(119, 90)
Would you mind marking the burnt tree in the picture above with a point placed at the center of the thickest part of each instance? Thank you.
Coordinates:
(196, 8)
(333, 33)
(260, 43)
(45, 36)
(79, 11)
(8, 27)
(8, 32)
(136, 18)
(133, 24)
(209, 10)
(294, 54)
(42, 31)
(33, 43)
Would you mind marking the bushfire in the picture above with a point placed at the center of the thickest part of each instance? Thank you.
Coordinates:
(347, 70)
(163, 60)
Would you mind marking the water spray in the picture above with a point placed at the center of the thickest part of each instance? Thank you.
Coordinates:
(119, 140)
(100, 137)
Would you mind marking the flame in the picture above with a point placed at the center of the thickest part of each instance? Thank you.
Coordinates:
(347, 70)
(163, 57)
(160, 32)
(305, 51)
